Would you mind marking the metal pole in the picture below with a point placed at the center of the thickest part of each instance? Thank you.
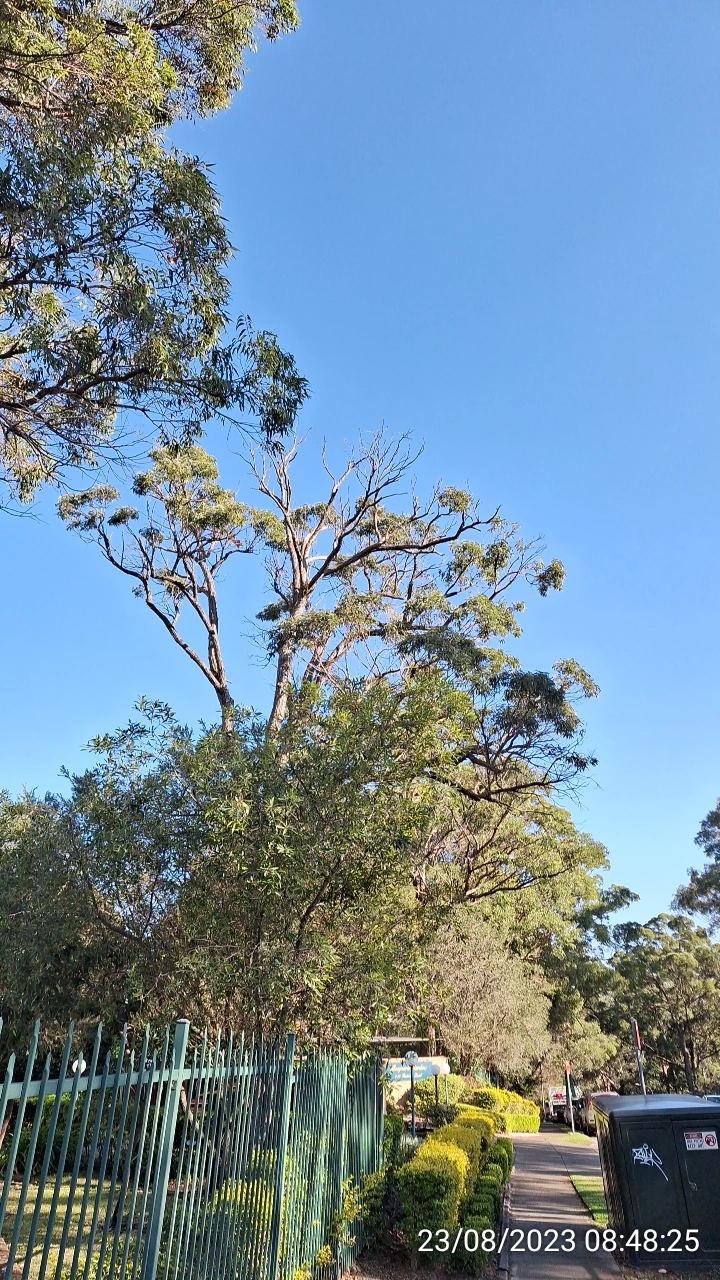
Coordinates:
(638, 1058)
(412, 1099)
(167, 1135)
(436, 1092)
(569, 1096)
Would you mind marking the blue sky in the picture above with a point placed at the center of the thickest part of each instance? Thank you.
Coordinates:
(495, 225)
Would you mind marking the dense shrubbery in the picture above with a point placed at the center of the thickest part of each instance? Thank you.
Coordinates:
(456, 1179)
(510, 1112)
(504, 1100)
(457, 1088)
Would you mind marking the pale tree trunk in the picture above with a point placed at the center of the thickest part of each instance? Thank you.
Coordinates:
(283, 680)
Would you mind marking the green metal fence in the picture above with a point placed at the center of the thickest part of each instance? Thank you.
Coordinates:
(223, 1162)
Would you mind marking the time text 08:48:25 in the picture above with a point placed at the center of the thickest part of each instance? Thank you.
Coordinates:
(550, 1240)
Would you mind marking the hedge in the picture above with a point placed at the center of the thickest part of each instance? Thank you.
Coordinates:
(455, 1178)
(485, 1120)
(518, 1124)
(499, 1156)
(473, 1261)
(489, 1188)
(431, 1187)
(503, 1100)
(504, 1144)
(470, 1140)
(483, 1205)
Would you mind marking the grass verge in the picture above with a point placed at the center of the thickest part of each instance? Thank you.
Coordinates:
(590, 1191)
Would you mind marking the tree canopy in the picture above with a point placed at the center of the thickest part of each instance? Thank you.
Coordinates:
(113, 288)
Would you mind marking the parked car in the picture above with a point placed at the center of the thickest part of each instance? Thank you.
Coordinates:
(587, 1111)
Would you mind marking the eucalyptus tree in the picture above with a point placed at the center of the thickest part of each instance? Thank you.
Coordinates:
(113, 250)
(670, 981)
(702, 892)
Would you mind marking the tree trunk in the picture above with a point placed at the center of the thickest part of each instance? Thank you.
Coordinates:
(227, 709)
(282, 688)
(687, 1062)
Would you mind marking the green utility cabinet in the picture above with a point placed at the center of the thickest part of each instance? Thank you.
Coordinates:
(660, 1160)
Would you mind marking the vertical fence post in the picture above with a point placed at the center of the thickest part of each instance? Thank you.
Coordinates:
(279, 1195)
(151, 1254)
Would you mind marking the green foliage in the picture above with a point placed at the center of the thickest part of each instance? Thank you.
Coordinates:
(495, 1169)
(484, 1204)
(509, 1123)
(393, 1129)
(115, 252)
(473, 1261)
(221, 866)
(499, 1156)
(425, 1092)
(505, 1144)
(440, 1114)
(469, 1139)
(669, 979)
(485, 1121)
(431, 1187)
(489, 1187)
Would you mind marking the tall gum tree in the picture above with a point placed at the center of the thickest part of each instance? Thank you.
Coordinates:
(113, 252)
(367, 594)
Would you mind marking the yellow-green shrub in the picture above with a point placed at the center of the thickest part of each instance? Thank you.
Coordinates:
(470, 1140)
(509, 1123)
(486, 1121)
(503, 1100)
(431, 1187)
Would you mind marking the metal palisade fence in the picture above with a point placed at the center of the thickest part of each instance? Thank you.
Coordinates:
(226, 1162)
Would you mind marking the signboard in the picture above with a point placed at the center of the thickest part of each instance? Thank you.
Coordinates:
(557, 1097)
(397, 1070)
(701, 1140)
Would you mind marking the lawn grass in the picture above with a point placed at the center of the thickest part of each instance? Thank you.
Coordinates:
(27, 1216)
(579, 1139)
(590, 1191)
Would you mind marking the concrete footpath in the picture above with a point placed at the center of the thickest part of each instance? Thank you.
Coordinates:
(544, 1201)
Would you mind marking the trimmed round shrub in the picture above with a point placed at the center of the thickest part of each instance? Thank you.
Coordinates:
(494, 1170)
(431, 1187)
(498, 1155)
(469, 1139)
(490, 1189)
(483, 1206)
(506, 1145)
(472, 1261)
(486, 1120)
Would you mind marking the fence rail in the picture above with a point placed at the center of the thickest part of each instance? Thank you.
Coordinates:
(231, 1162)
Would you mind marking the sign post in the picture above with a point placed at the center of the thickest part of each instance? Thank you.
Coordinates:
(411, 1058)
(568, 1093)
(638, 1053)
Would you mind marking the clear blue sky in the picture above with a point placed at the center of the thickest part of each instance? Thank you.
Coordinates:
(496, 225)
